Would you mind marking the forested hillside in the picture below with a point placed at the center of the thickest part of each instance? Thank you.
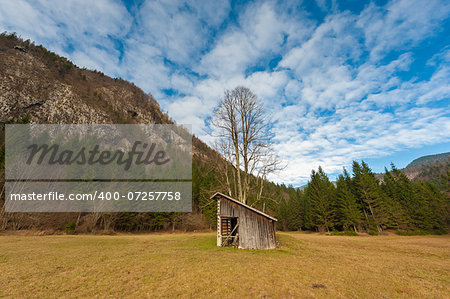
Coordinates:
(38, 86)
(433, 168)
(430, 159)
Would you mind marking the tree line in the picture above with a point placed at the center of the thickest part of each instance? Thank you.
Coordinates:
(361, 202)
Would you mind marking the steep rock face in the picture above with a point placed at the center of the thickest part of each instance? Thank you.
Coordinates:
(46, 88)
(50, 89)
(27, 87)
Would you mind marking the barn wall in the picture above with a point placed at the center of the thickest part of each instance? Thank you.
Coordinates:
(219, 225)
(255, 230)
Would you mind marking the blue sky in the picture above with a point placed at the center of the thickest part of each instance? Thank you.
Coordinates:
(342, 80)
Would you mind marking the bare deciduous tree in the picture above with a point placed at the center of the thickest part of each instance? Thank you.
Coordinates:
(244, 140)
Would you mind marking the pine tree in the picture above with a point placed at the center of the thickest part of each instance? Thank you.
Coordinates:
(348, 214)
(399, 194)
(320, 192)
(370, 196)
(290, 212)
(433, 211)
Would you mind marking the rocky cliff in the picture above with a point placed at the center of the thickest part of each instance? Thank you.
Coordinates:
(48, 88)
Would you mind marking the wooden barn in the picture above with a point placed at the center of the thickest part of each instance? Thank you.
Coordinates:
(239, 225)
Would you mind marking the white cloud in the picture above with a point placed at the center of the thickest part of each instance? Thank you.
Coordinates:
(186, 111)
(261, 32)
(401, 24)
(179, 29)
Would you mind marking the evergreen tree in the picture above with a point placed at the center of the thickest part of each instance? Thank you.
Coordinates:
(348, 214)
(295, 212)
(369, 194)
(431, 212)
(398, 190)
(290, 212)
(320, 192)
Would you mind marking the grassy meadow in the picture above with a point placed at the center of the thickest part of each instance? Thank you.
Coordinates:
(190, 265)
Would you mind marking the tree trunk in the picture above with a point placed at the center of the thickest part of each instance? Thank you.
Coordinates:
(238, 166)
(78, 219)
(228, 180)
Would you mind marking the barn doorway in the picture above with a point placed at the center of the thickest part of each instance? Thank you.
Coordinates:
(230, 231)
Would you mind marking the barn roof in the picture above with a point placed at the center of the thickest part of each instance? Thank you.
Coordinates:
(218, 194)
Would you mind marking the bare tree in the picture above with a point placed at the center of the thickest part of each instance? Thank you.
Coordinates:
(245, 140)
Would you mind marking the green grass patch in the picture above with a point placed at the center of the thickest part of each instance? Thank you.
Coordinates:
(344, 233)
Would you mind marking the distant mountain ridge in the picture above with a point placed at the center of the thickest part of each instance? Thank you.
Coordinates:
(432, 168)
(429, 159)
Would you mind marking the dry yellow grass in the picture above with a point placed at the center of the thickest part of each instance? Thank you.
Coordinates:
(190, 265)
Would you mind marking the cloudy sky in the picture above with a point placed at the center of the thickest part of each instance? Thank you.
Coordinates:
(341, 80)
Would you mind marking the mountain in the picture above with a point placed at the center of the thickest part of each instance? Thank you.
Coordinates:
(43, 87)
(50, 89)
(432, 168)
(430, 159)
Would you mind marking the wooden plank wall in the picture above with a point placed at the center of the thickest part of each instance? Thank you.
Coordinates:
(255, 230)
(219, 227)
